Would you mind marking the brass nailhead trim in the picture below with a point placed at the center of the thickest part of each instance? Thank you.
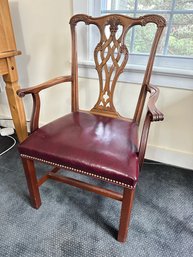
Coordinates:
(77, 170)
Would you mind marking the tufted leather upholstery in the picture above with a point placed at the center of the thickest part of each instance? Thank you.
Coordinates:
(90, 143)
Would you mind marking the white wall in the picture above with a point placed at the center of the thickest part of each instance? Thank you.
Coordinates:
(43, 35)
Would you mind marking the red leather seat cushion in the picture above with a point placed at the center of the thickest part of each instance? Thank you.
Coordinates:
(96, 144)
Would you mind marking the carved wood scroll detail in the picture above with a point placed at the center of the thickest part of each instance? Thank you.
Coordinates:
(80, 17)
(159, 20)
(111, 54)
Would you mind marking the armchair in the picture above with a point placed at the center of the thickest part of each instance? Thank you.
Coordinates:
(99, 143)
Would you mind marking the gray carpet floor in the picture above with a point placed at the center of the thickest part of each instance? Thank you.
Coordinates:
(72, 222)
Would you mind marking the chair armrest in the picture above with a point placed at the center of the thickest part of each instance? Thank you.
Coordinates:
(36, 89)
(153, 114)
(156, 115)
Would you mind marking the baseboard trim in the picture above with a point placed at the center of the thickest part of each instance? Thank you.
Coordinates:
(7, 122)
(170, 156)
(4, 122)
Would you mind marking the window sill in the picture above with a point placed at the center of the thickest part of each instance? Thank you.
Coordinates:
(166, 77)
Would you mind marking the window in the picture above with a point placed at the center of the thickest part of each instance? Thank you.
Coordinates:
(174, 62)
(178, 37)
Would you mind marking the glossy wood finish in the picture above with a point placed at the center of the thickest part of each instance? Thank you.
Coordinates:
(34, 91)
(110, 55)
(127, 203)
(86, 186)
(9, 71)
(32, 182)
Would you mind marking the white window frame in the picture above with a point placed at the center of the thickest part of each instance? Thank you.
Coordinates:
(162, 75)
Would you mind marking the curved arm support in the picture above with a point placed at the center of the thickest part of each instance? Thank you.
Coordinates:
(156, 115)
(34, 91)
(144, 137)
(153, 114)
(34, 123)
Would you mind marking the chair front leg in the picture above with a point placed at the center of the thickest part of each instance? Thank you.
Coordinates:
(127, 202)
(32, 182)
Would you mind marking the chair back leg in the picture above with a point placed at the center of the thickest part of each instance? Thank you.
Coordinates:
(32, 182)
(127, 202)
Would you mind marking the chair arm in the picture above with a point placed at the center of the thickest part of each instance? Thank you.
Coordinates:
(156, 115)
(36, 89)
(153, 114)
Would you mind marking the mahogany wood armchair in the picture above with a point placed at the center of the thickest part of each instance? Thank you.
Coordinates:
(99, 143)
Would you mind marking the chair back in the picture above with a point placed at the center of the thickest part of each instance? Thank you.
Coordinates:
(111, 56)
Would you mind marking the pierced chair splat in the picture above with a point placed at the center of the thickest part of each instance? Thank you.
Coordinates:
(99, 143)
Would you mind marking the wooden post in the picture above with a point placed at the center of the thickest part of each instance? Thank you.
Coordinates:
(9, 71)
(127, 203)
